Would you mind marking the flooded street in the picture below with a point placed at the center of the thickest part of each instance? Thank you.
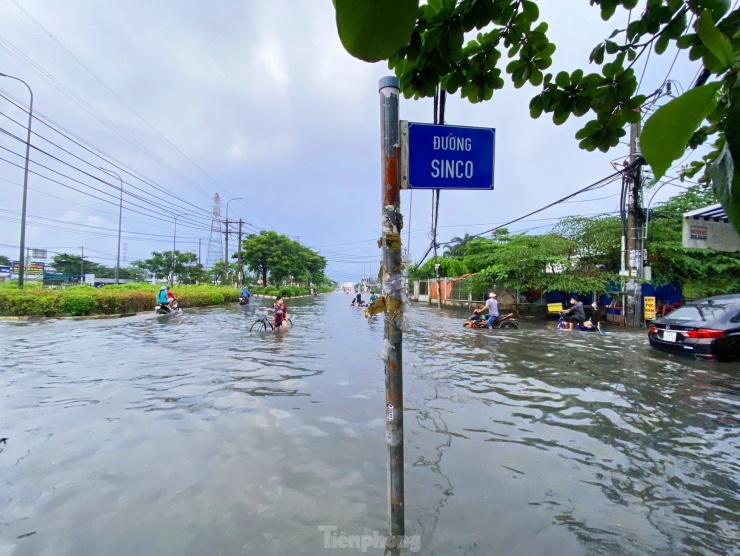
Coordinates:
(187, 435)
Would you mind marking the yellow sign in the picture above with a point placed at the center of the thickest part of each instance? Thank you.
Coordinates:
(649, 308)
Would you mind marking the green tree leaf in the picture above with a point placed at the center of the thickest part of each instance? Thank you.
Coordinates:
(668, 131)
(725, 174)
(726, 185)
(717, 43)
(373, 30)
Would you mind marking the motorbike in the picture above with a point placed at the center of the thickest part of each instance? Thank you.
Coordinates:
(243, 300)
(164, 309)
(476, 320)
(563, 325)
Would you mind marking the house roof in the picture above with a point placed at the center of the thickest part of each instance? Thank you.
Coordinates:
(713, 212)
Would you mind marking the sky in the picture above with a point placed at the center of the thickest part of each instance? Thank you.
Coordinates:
(259, 102)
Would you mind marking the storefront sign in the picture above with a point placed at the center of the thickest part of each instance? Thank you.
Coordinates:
(649, 308)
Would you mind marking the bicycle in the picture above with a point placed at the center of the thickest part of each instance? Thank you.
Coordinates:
(263, 323)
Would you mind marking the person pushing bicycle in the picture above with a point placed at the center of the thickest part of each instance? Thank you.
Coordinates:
(280, 317)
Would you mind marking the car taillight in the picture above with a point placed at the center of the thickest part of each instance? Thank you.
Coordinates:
(704, 333)
(653, 330)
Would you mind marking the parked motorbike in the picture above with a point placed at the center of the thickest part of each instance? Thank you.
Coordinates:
(477, 320)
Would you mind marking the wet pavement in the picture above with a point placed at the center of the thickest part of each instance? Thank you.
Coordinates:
(187, 435)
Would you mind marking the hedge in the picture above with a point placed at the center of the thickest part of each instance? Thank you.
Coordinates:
(110, 300)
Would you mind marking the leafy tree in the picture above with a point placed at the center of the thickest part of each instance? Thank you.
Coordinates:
(703, 272)
(431, 51)
(596, 241)
(4, 261)
(279, 257)
(184, 266)
(522, 262)
(217, 272)
(449, 267)
(72, 265)
(457, 245)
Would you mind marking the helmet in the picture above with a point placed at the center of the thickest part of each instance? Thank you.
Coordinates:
(163, 288)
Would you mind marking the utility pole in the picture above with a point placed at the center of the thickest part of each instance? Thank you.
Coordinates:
(82, 263)
(239, 271)
(634, 228)
(439, 118)
(392, 223)
(198, 250)
(226, 258)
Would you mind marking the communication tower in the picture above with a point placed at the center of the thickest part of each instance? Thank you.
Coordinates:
(215, 241)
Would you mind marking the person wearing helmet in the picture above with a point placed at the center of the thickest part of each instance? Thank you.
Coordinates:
(492, 306)
(162, 297)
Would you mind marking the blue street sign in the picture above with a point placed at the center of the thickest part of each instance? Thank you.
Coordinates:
(450, 157)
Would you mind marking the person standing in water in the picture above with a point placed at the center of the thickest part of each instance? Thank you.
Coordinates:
(280, 317)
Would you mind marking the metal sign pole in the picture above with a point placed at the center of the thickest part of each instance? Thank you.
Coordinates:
(392, 223)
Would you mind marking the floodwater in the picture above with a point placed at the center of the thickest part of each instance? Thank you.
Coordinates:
(187, 435)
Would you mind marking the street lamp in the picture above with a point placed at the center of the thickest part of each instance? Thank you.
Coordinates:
(120, 213)
(174, 244)
(226, 259)
(21, 258)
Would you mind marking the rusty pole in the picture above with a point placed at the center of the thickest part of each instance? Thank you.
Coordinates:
(392, 268)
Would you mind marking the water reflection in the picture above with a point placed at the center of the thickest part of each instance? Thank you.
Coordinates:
(519, 442)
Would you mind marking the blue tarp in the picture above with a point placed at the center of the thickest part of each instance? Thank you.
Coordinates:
(670, 293)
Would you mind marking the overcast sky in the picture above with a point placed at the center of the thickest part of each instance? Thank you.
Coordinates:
(257, 99)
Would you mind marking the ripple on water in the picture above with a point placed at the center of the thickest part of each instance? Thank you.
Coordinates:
(520, 442)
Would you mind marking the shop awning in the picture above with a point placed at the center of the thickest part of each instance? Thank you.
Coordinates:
(709, 228)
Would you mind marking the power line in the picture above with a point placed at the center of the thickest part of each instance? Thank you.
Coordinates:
(120, 99)
(116, 187)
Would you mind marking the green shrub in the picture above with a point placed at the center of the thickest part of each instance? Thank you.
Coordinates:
(77, 305)
(199, 297)
(121, 299)
(32, 302)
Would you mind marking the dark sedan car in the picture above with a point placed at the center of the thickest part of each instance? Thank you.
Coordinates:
(708, 328)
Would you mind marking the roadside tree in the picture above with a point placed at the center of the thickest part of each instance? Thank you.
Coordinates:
(433, 46)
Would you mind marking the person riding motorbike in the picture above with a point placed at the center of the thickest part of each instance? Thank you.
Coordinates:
(492, 306)
(246, 294)
(575, 314)
(162, 298)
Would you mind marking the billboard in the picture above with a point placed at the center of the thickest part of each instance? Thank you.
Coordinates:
(32, 269)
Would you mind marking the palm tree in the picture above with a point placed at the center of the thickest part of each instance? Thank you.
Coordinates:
(456, 246)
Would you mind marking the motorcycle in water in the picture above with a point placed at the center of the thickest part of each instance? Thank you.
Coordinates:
(164, 309)
(504, 321)
(563, 325)
(243, 300)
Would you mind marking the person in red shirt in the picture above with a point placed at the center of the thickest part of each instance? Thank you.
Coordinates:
(280, 314)
(172, 299)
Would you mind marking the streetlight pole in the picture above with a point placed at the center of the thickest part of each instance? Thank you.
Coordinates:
(226, 258)
(174, 245)
(21, 258)
(120, 214)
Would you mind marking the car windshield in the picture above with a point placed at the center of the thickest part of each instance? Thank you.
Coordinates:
(703, 312)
